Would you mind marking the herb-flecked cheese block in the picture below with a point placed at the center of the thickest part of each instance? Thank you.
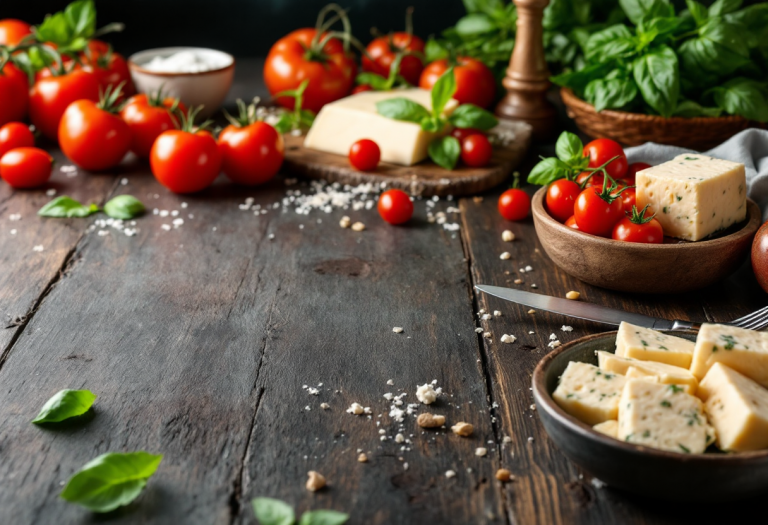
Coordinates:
(745, 351)
(693, 195)
(588, 393)
(667, 374)
(609, 428)
(649, 345)
(664, 417)
(737, 407)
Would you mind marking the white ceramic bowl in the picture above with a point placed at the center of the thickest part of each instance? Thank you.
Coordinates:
(206, 88)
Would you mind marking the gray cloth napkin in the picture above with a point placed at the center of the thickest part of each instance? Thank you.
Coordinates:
(750, 147)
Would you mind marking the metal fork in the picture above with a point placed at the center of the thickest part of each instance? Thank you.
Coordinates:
(757, 320)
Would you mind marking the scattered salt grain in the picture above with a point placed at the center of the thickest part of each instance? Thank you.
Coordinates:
(506, 338)
(325, 406)
(38, 248)
(528, 269)
(14, 217)
(486, 317)
(397, 329)
(497, 313)
(358, 227)
(598, 484)
(166, 227)
(449, 474)
(481, 451)
(504, 256)
(13, 232)
(566, 328)
(390, 382)
(357, 409)
(478, 330)
(426, 394)
(51, 192)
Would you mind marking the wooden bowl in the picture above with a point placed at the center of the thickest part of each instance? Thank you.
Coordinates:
(650, 472)
(673, 267)
(633, 129)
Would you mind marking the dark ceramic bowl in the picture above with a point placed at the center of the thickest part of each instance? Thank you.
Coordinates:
(646, 471)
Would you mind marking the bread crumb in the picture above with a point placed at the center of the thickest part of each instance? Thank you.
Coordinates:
(427, 420)
(463, 429)
(315, 481)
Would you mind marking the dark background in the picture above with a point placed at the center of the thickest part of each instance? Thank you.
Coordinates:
(240, 27)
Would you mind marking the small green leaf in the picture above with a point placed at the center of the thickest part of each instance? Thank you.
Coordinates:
(323, 517)
(658, 77)
(471, 116)
(475, 24)
(723, 7)
(443, 91)
(433, 124)
(578, 80)
(64, 206)
(569, 147)
(64, 405)
(111, 480)
(637, 9)
(377, 82)
(611, 93)
(744, 97)
(445, 152)
(124, 207)
(548, 170)
(270, 511)
(689, 108)
(698, 11)
(81, 18)
(402, 109)
(613, 42)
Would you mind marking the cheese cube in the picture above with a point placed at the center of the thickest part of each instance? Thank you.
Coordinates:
(588, 393)
(667, 374)
(663, 417)
(737, 407)
(649, 345)
(634, 373)
(342, 123)
(745, 351)
(693, 195)
(609, 428)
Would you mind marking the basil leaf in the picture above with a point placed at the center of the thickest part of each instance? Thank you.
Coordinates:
(111, 480)
(402, 109)
(64, 405)
(270, 511)
(64, 206)
(285, 123)
(306, 118)
(435, 50)
(124, 207)
(658, 78)
(569, 147)
(471, 116)
(745, 97)
(613, 42)
(433, 124)
(377, 82)
(55, 29)
(81, 18)
(719, 50)
(637, 9)
(475, 24)
(689, 109)
(578, 80)
(443, 91)
(657, 30)
(723, 7)
(323, 517)
(611, 93)
(698, 11)
(755, 19)
(445, 152)
(548, 170)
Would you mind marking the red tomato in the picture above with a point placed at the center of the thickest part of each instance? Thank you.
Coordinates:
(330, 71)
(596, 180)
(14, 94)
(93, 138)
(475, 83)
(112, 70)
(50, 97)
(595, 214)
(185, 162)
(395, 207)
(633, 169)
(601, 151)
(15, 135)
(571, 223)
(362, 88)
(760, 256)
(476, 151)
(462, 133)
(561, 196)
(384, 49)
(364, 155)
(26, 167)
(148, 117)
(628, 199)
(639, 228)
(514, 204)
(12, 31)
(251, 154)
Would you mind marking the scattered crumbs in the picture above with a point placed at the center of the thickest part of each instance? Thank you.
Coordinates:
(503, 475)
(362, 458)
(497, 313)
(507, 236)
(532, 407)
(124, 181)
(477, 199)
(405, 466)
(51, 192)
(450, 474)
(390, 382)
(38, 248)
(518, 281)
(345, 222)
(325, 406)
(399, 438)
(315, 481)
(486, 317)
(566, 328)
(552, 337)
(507, 338)
(481, 451)
(487, 335)
(307, 408)
(451, 226)
(357, 409)
(214, 228)
(184, 204)
(271, 236)
(506, 439)
(165, 227)
(531, 332)
(427, 394)
(573, 296)
(531, 311)
(598, 484)
(528, 268)
(504, 256)
(102, 233)
(530, 439)
(313, 391)
(398, 329)
(554, 344)
(534, 286)
(14, 217)
(178, 222)
(358, 227)
(478, 330)
(463, 429)
(14, 231)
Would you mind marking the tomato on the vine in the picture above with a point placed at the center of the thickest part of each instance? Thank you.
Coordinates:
(597, 211)
(148, 117)
(50, 97)
(514, 204)
(395, 207)
(13, 31)
(475, 83)
(589, 179)
(601, 151)
(639, 228)
(184, 160)
(251, 151)
(111, 69)
(476, 151)
(461, 133)
(15, 135)
(384, 49)
(628, 199)
(561, 196)
(26, 167)
(14, 93)
(364, 155)
(633, 169)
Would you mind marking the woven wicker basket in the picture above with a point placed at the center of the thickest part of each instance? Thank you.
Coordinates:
(632, 129)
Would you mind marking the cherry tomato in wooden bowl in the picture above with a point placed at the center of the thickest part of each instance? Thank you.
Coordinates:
(600, 151)
(475, 83)
(561, 197)
(571, 223)
(14, 94)
(384, 49)
(461, 133)
(50, 97)
(364, 155)
(633, 169)
(26, 167)
(639, 227)
(596, 212)
(12, 31)
(395, 207)
(514, 204)
(760, 256)
(15, 135)
(476, 151)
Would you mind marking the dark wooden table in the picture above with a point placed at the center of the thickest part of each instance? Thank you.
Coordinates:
(199, 341)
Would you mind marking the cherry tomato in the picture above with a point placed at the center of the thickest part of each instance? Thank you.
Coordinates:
(760, 256)
(92, 136)
(601, 151)
(15, 135)
(462, 133)
(14, 94)
(362, 88)
(148, 117)
(475, 83)
(561, 196)
(112, 70)
(633, 169)
(594, 214)
(628, 199)
(384, 49)
(12, 31)
(364, 155)
(26, 167)
(251, 154)
(51, 96)
(395, 207)
(185, 162)
(639, 228)
(596, 180)
(476, 151)
(293, 59)
(514, 204)
(571, 223)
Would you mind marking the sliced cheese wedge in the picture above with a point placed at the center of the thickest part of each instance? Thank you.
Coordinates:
(609, 428)
(588, 393)
(649, 345)
(745, 351)
(667, 374)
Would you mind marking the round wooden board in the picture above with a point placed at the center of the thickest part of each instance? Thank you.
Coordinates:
(425, 179)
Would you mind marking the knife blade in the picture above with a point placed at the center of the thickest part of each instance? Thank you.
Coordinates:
(582, 310)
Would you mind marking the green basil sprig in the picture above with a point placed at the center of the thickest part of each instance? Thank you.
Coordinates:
(570, 161)
(378, 82)
(64, 405)
(270, 511)
(64, 206)
(299, 118)
(124, 207)
(111, 480)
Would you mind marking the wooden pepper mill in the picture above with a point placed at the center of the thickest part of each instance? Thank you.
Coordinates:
(527, 79)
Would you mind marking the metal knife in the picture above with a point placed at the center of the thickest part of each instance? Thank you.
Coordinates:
(580, 310)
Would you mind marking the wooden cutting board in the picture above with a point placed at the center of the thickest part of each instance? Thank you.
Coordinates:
(425, 179)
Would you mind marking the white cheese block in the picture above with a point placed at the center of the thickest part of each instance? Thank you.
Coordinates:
(588, 393)
(737, 407)
(342, 123)
(664, 417)
(745, 351)
(664, 373)
(649, 345)
(609, 428)
(693, 195)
